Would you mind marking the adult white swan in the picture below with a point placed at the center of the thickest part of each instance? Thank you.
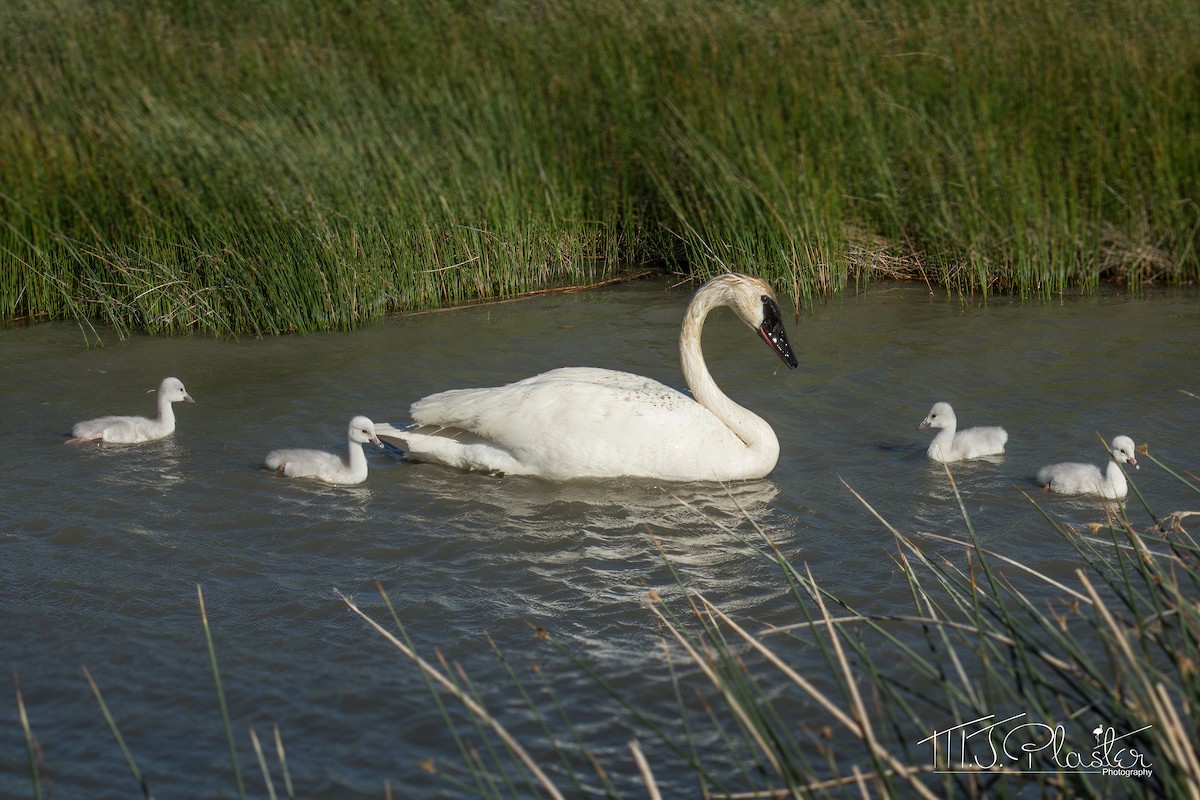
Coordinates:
(327, 466)
(580, 422)
(955, 445)
(132, 430)
(1087, 479)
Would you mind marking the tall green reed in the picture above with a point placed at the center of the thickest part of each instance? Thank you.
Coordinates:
(35, 756)
(32, 752)
(112, 725)
(216, 672)
(265, 170)
(274, 166)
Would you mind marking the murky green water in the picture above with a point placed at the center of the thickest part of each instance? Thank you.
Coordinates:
(102, 548)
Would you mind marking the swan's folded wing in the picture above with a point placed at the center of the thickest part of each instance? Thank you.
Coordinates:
(122, 430)
(1072, 478)
(580, 395)
(568, 418)
(94, 427)
(983, 441)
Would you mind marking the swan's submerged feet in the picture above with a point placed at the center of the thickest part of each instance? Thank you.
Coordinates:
(328, 467)
(1073, 478)
(581, 422)
(952, 444)
(134, 430)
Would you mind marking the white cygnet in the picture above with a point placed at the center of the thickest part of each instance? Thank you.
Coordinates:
(327, 466)
(955, 445)
(132, 430)
(1074, 478)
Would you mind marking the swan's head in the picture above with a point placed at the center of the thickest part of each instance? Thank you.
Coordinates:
(940, 416)
(754, 302)
(1123, 450)
(362, 430)
(172, 389)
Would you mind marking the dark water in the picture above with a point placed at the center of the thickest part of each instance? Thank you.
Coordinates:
(102, 548)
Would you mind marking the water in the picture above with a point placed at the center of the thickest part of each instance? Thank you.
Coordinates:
(102, 548)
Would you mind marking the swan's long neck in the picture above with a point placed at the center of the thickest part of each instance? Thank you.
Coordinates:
(945, 437)
(166, 413)
(1115, 478)
(748, 427)
(356, 457)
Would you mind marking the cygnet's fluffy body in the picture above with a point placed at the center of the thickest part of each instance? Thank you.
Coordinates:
(133, 430)
(952, 444)
(328, 467)
(1072, 478)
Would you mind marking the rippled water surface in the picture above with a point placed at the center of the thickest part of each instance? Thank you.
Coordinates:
(102, 548)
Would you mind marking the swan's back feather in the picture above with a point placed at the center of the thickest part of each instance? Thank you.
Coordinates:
(570, 394)
(1071, 478)
(122, 430)
(300, 463)
(977, 442)
(620, 424)
(294, 459)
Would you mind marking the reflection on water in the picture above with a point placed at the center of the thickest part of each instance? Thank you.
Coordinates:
(523, 502)
(101, 548)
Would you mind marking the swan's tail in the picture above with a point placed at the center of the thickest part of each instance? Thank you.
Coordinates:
(453, 447)
(386, 430)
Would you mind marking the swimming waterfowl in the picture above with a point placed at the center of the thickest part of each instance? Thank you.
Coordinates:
(134, 430)
(955, 445)
(581, 422)
(328, 467)
(1073, 478)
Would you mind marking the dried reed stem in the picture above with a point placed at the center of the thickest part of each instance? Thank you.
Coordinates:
(474, 707)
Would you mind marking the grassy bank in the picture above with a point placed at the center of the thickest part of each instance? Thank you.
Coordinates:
(270, 166)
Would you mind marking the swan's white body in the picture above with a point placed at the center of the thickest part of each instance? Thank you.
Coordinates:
(1087, 479)
(132, 430)
(952, 444)
(581, 422)
(327, 466)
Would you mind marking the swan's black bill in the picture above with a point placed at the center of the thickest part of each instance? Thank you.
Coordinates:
(772, 332)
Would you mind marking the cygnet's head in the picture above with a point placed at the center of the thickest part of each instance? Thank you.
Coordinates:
(1123, 450)
(362, 430)
(172, 389)
(940, 416)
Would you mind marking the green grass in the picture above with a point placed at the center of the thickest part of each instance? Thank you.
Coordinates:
(272, 166)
